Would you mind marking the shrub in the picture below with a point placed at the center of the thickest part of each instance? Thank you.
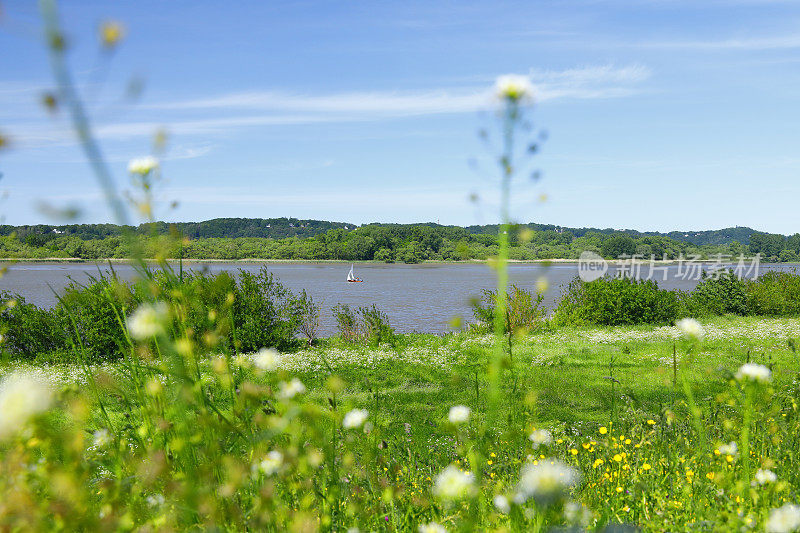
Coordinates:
(363, 324)
(375, 325)
(717, 295)
(524, 310)
(616, 301)
(308, 311)
(91, 313)
(774, 294)
(28, 330)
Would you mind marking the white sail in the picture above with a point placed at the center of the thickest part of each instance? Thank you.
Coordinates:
(350, 276)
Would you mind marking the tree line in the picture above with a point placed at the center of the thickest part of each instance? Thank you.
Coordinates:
(406, 243)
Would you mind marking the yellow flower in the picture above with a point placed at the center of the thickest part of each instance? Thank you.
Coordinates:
(710, 475)
(603, 430)
(620, 489)
(617, 457)
(646, 467)
(573, 451)
(651, 422)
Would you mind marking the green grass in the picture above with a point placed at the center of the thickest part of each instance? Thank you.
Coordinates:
(558, 379)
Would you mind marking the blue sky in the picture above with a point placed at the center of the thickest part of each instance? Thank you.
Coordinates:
(660, 114)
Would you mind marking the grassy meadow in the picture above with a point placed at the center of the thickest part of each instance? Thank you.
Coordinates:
(613, 403)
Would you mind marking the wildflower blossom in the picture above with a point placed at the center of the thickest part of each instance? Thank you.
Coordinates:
(22, 396)
(155, 500)
(459, 414)
(754, 372)
(546, 481)
(690, 327)
(267, 359)
(431, 527)
(513, 88)
(292, 388)
(541, 437)
(101, 438)
(355, 418)
(143, 165)
(271, 463)
(783, 519)
(148, 321)
(731, 449)
(765, 476)
(501, 504)
(453, 484)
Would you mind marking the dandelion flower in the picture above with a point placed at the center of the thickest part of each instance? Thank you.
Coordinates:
(148, 321)
(271, 463)
(453, 484)
(546, 481)
(754, 372)
(143, 165)
(513, 88)
(22, 396)
(267, 359)
(355, 418)
(783, 519)
(765, 476)
(690, 327)
(459, 414)
(541, 437)
(501, 504)
(431, 527)
(292, 389)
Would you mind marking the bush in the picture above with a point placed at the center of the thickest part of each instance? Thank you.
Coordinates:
(265, 312)
(91, 314)
(524, 310)
(720, 294)
(308, 311)
(616, 301)
(28, 330)
(774, 294)
(364, 324)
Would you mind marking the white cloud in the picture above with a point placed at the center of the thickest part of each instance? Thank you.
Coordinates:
(787, 42)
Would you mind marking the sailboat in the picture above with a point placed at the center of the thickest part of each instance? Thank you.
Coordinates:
(351, 277)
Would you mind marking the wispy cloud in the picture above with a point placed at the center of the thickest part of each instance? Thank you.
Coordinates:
(786, 42)
(603, 81)
(229, 112)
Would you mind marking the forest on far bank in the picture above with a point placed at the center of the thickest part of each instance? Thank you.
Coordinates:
(294, 239)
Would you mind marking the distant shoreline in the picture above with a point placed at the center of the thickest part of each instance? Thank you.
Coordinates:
(611, 262)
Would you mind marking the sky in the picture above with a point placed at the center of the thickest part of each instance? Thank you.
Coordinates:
(659, 115)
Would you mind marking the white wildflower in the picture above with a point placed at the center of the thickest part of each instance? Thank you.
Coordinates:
(431, 527)
(267, 359)
(541, 437)
(101, 438)
(155, 500)
(453, 484)
(501, 504)
(148, 321)
(271, 463)
(577, 513)
(22, 396)
(459, 414)
(546, 481)
(513, 87)
(783, 519)
(355, 418)
(754, 372)
(292, 389)
(765, 476)
(690, 327)
(143, 165)
(731, 449)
